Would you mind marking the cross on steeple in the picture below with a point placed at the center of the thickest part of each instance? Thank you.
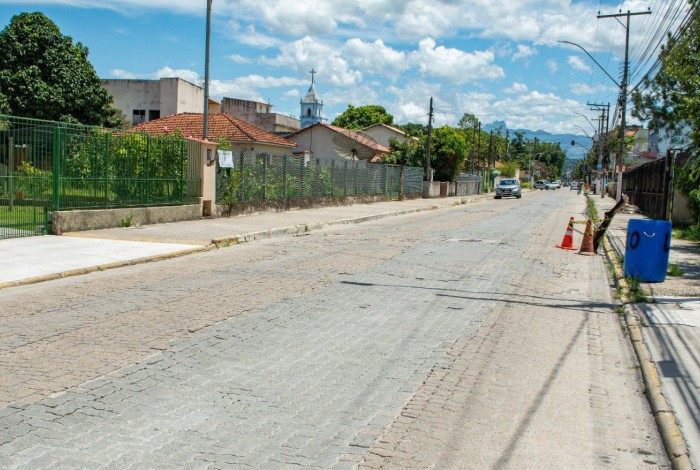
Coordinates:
(312, 72)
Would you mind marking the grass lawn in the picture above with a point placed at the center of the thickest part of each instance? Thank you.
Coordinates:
(22, 217)
(687, 233)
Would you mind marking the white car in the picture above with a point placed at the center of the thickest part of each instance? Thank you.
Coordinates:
(550, 185)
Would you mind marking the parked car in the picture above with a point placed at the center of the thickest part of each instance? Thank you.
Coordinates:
(573, 186)
(558, 183)
(550, 185)
(539, 184)
(508, 187)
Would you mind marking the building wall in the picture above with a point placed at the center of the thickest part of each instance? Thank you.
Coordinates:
(318, 140)
(244, 109)
(166, 97)
(129, 95)
(383, 135)
(255, 149)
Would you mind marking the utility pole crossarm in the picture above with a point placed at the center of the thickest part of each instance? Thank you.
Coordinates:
(627, 13)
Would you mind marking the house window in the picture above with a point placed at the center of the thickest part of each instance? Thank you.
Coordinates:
(139, 116)
(153, 114)
(308, 111)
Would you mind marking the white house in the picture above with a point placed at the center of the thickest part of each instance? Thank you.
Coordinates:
(383, 134)
(328, 141)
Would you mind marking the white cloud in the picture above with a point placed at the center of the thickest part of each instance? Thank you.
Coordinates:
(552, 65)
(523, 52)
(120, 73)
(453, 64)
(588, 89)
(239, 59)
(375, 57)
(250, 36)
(293, 93)
(577, 64)
(307, 52)
(189, 75)
(516, 88)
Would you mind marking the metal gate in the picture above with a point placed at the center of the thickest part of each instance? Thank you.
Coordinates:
(25, 178)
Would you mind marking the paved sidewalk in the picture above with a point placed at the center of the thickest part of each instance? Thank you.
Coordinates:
(27, 260)
(672, 329)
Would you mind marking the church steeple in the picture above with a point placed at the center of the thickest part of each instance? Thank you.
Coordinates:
(311, 105)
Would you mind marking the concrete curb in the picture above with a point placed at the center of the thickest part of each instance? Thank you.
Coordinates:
(103, 267)
(230, 241)
(671, 435)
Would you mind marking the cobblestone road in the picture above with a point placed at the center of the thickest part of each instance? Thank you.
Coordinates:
(456, 338)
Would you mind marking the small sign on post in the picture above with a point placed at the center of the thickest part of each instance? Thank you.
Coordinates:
(225, 158)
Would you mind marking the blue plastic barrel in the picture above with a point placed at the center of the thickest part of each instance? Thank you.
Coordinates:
(647, 248)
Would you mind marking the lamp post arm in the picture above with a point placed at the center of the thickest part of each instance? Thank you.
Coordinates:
(593, 59)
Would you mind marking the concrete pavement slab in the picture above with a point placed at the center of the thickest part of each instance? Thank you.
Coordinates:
(31, 257)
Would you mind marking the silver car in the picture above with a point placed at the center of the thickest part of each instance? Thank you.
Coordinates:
(508, 187)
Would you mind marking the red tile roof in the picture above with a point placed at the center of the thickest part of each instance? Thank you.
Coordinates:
(221, 126)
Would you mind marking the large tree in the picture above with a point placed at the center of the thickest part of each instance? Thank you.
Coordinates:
(448, 152)
(363, 116)
(671, 100)
(44, 75)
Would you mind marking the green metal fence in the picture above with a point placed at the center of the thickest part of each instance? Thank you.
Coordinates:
(286, 179)
(47, 166)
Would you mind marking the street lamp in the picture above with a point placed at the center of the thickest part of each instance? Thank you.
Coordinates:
(205, 126)
(583, 130)
(589, 121)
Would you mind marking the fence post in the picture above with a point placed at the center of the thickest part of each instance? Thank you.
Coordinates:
(317, 178)
(333, 191)
(56, 167)
(264, 178)
(345, 179)
(285, 184)
(240, 179)
(302, 166)
(106, 171)
(401, 183)
(147, 171)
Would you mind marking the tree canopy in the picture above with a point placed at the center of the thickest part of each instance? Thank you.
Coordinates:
(44, 75)
(361, 117)
(671, 100)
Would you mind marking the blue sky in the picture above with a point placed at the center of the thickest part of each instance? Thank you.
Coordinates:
(498, 59)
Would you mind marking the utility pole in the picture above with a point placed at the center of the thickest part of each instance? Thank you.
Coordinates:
(507, 139)
(490, 157)
(477, 152)
(428, 176)
(603, 130)
(205, 126)
(625, 71)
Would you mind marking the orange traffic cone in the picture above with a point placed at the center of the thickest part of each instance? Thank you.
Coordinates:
(567, 242)
(587, 242)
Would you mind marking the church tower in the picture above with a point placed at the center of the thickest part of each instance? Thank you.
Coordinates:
(311, 106)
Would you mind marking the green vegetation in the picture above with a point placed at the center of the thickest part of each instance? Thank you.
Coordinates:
(508, 169)
(44, 75)
(671, 100)
(674, 270)
(526, 185)
(636, 292)
(361, 117)
(691, 233)
(126, 221)
(591, 209)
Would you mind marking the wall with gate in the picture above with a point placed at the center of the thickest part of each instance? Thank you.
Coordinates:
(47, 166)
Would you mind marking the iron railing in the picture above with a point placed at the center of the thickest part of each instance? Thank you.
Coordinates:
(48, 166)
(285, 179)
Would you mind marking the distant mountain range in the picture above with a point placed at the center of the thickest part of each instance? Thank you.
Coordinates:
(573, 152)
